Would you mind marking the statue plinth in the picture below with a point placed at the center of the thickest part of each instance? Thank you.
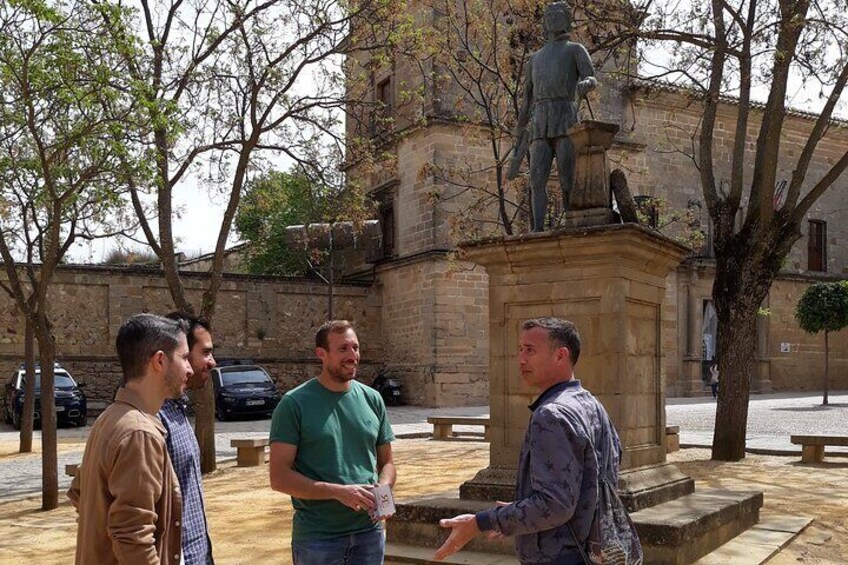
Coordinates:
(591, 201)
(609, 281)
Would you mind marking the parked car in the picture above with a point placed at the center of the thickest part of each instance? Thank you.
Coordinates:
(244, 390)
(71, 404)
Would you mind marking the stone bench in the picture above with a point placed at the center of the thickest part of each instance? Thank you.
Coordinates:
(443, 425)
(71, 469)
(251, 452)
(672, 439)
(812, 446)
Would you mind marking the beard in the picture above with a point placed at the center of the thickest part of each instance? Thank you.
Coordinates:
(342, 373)
(176, 386)
(198, 380)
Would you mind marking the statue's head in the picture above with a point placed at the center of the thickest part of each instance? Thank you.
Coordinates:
(557, 19)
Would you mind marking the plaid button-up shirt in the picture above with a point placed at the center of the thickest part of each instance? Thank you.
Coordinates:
(185, 457)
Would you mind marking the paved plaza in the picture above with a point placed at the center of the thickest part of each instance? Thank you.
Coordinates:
(772, 418)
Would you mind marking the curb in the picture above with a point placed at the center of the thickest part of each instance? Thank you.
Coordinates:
(765, 450)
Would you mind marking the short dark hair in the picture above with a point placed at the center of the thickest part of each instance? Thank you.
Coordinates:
(140, 337)
(561, 333)
(335, 326)
(192, 323)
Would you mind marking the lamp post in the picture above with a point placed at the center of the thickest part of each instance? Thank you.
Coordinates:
(332, 237)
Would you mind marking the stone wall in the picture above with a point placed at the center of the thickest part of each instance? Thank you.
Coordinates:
(798, 369)
(435, 316)
(269, 320)
(654, 157)
(802, 366)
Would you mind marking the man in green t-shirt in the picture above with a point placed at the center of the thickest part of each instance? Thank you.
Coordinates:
(330, 445)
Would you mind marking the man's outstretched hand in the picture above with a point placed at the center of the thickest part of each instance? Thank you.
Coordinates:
(464, 528)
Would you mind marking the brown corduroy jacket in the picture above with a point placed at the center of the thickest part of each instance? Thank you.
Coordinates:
(126, 491)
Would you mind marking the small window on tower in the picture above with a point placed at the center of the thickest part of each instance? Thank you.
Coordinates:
(817, 246)
(385, 98)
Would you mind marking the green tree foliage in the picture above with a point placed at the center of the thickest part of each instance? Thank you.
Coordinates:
(228, 85)
(270, 203)
(63, 138)
(824, 308)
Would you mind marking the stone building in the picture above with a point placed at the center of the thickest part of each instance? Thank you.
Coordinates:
(422, 312)
(433, 306)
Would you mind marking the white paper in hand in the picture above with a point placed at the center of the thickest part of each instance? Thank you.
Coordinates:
(384, 502)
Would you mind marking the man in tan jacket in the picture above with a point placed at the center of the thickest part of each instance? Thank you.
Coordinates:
(125, 490)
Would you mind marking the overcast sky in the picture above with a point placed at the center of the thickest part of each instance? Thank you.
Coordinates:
(196, 226)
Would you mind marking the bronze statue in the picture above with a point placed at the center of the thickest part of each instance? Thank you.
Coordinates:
(556, 74)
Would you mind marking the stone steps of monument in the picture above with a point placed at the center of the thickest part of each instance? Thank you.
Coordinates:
(754, 546)
(684, 530)
(416, 523)
(398, 553)
(758, 544)
(677, 532)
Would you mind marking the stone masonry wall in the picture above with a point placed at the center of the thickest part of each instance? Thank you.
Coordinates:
(654, 160)
(799, 369)
(269, 320)
(802, 367)
(435, 315)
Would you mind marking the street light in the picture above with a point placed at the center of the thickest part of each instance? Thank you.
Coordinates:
(331, 237)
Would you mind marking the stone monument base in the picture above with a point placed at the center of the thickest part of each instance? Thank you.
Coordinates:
(676, 525)
(611, 282)
(651, 485)
(589, 218)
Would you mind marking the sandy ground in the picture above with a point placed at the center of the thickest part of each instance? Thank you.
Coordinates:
(251, 524)
(9, 449)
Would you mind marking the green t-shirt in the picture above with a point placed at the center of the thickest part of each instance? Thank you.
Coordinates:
(336, 434)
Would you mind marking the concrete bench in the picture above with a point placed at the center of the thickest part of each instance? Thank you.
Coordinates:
(251, 452)
(443, 425)
(71, 469)
(812, 446)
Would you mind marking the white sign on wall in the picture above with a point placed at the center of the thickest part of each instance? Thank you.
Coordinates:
(785, 347)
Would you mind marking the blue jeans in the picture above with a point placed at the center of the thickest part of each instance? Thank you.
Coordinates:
(366, 548)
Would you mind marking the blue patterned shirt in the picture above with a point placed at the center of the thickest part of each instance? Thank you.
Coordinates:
(557, 479)
(185, 457)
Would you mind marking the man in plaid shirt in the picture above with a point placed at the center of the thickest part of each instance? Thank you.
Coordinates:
(183, 448)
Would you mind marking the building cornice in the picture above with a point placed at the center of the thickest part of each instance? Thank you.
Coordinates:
(709, 265)
(156, 271)
(653, 85)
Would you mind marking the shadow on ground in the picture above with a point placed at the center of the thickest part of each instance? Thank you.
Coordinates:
(819, 408)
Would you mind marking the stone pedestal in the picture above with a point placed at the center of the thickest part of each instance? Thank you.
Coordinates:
(609, 281)
(591, 190)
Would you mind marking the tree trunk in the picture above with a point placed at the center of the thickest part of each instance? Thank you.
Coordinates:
(826, 367)
(204, 426)
(743, 279)
(49, 455)
(29, 389)
(737, 345)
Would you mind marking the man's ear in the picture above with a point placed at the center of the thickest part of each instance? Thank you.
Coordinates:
(321, 353)
(563, 354)
(158, 361)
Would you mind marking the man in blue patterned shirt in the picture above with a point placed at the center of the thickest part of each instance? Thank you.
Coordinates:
(183, 448)
(558, 471)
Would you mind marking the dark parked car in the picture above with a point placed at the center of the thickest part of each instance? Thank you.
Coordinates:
(244, 390)
(71, 406)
